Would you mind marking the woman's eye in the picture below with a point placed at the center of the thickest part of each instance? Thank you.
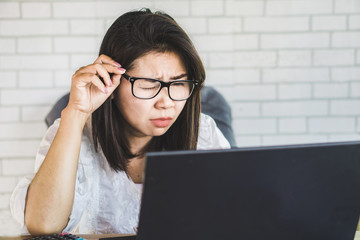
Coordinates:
(148, 87)
(147, 84)
(178, 84)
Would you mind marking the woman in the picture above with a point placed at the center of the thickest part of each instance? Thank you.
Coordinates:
(90, 163)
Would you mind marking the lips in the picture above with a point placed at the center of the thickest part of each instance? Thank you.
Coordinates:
(161, 122)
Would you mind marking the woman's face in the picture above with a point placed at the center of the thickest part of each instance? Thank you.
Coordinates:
(151, 117)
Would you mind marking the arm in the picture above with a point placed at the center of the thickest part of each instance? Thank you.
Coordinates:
(51, 193)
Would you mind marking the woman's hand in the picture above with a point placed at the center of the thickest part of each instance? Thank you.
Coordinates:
(54, 183)
(88, 92)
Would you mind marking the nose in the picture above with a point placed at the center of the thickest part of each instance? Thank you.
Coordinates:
(163, 99)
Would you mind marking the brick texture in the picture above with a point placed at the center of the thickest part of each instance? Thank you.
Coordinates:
(290, 69)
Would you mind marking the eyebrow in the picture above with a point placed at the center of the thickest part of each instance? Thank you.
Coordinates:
(179, 76)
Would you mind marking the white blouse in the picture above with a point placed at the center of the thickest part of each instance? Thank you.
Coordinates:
(105, 201)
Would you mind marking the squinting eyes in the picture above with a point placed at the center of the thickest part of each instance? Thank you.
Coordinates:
(146, 88)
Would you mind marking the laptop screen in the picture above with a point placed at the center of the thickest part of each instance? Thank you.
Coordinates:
(283, 192)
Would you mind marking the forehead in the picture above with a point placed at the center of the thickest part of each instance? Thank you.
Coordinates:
(158, 63)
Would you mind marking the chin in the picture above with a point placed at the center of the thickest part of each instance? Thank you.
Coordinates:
(159, 132)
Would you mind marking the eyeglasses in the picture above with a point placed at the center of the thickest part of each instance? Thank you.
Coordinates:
(147, 88)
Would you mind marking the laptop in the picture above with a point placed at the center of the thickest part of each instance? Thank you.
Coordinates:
(274, 193)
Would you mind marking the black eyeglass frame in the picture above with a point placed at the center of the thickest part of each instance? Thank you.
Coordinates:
(163, 84)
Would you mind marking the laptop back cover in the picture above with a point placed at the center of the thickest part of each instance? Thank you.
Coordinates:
(285, 192)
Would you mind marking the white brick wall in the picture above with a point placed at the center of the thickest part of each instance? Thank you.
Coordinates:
(292, 125)
(277, 24)
(295, 40)
(17, 167)
(36, 10)
(177, 8)
(34, 45)
(35, 79)
(7, 79)
(9, 10)
(246, 41)
(75, 44)
(294, 58)
(225, 25)
(290, 69)
(346, 74)
(293, 139)
(354, 22)
(219, 60)
(331, 125)
(244, 8)
(247, 75)
(346, 39)
(294, 91)
(256, 126)
(87, 27)
(301, 7)
(328, 23)
(7, 45)
(255, 92)
(255, 59)
(18, 148)
(334, 57)
(331, 90)
(240, 110)
(30, 97)
(347, 6)
(345, 107)
(214, 43)
(193, 25)
(355, 90)
(33, 27)
(21, 62)
(296, 75)
(9, 114)
(207, 8)
(295, 108)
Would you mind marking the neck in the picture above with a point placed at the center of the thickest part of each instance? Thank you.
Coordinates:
(136, 165)
(137, 144)
(136, 169)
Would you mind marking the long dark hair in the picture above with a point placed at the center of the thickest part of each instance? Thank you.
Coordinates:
(131, 36)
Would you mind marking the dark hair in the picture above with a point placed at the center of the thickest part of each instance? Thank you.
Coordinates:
(131, 36)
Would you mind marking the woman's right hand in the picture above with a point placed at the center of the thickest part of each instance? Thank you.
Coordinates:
(88, 92)
(54, 183)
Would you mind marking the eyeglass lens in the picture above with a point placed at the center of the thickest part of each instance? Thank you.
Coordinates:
(146, 88)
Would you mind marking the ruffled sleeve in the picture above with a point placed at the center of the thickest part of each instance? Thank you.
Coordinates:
(83, 184)
(17, 200)
(210, 137)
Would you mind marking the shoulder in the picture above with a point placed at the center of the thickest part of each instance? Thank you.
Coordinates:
(206, 122)
(210, 137)
(87, 150)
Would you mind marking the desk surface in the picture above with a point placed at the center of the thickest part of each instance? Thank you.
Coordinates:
(96, 237)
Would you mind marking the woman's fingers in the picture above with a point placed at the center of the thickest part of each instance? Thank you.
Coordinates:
(103, 71)
(107, 60)
(116, 79)
(89, 78)
(99, 84)
(93, 84)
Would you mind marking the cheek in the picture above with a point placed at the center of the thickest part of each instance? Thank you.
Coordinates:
(179, 106)
(133, 110)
